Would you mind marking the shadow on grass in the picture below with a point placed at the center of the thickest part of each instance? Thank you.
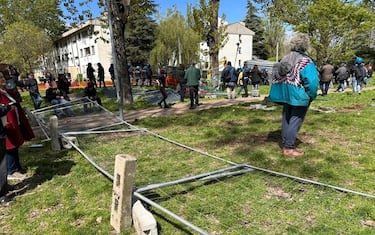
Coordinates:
(48, 164)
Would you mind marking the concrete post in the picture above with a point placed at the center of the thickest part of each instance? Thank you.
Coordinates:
(54, 134)
(121, 211)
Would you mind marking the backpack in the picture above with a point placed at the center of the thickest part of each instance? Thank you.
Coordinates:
(226, 75)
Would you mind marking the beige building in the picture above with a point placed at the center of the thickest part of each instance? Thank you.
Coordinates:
(237, 49)
(87, 43)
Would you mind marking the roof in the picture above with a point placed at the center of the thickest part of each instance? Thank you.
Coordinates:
(82, 26)
(239, 28)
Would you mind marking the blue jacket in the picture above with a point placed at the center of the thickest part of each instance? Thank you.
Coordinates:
(231, 71)
(295, 80)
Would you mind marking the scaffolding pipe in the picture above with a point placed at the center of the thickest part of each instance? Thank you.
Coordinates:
(101, 132)
(185, 180)
(168, 212)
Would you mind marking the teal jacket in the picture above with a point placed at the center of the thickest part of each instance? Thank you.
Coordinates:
(295, 80)
(192, 75)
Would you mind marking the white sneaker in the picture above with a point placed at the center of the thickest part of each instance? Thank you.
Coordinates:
(16, 176)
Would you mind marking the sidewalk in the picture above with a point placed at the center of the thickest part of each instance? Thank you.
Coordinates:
(180, 108)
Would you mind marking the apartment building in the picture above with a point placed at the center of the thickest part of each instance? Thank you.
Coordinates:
(87, 43)
(237, 49)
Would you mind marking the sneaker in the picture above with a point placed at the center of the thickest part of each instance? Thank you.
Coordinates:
(5, 199)
(16, 176)
(292, 153)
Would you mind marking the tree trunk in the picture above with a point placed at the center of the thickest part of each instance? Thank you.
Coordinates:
(118, 23)
(214, 47)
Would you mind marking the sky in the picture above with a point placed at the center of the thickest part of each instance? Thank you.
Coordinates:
(234, 11)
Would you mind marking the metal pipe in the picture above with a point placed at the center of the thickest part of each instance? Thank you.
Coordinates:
(185, 180)
(101, 132)
(168, 212)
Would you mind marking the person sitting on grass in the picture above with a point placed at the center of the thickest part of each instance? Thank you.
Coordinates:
(56, 97)
(90, 92)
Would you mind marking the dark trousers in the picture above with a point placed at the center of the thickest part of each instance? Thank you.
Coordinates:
(291, 122)
(182, 92)
(3, 168)
(193, 91)
(93, 81)
(36, 98)
(13, 160)
(164, 96)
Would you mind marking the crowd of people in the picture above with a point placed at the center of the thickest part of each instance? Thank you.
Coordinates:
(356, 74)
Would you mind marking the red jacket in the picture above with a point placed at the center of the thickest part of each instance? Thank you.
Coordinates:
(18, 128)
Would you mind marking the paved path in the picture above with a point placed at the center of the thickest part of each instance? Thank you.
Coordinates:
(179, 108)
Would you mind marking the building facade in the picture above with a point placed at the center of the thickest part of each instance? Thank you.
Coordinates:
(87, 43)
(237, 49)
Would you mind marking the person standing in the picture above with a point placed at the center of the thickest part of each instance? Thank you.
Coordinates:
(101, 75)
(229, 78)
(90, 74)
(360, 74)
(192, 76)
(181, 82)
(326, 75)
(295, 85)
(18, 130)
(246, 77)
(4, 109)
(256, 79)
(342, 75)
(162, 87)
(32, 86)
(111, 71)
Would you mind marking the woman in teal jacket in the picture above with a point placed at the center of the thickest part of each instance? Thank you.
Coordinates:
(295, 85)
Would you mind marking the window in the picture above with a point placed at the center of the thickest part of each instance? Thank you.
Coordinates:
(87, 51)
(93, 50)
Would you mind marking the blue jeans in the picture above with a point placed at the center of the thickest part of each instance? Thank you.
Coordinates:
(291, 122)
(64, 106)
(36, 99)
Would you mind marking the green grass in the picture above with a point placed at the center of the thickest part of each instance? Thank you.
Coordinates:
(67, 196)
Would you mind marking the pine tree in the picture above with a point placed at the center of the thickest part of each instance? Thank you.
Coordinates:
(140, 38)
(254, 22)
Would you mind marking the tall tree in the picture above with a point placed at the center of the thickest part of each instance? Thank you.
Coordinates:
(46, 15)
(118, 12)
(274, 35)
(336, 27)
(180, 45)
(24, 45)
(255, 23)
(140, 38)
(205, 21)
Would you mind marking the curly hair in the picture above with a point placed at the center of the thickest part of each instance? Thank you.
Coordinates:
(300, 42)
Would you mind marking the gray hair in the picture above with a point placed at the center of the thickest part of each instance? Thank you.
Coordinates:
(300, 42)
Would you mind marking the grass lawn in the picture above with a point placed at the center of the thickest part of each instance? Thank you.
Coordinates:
(66, 195)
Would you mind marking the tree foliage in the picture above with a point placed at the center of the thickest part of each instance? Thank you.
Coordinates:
(46, 15)
(255, 23)
(205, 21)
(274, 35)
(176, 42)
(337, 28)
(24, 45)
(140, 38)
